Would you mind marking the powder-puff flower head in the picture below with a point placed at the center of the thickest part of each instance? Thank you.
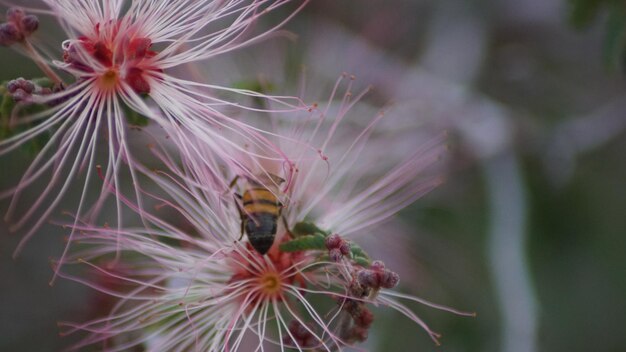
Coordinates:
(118, 52)
(195, 286)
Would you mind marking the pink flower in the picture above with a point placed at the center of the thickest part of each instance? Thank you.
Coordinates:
(200, 288)
(119, 52)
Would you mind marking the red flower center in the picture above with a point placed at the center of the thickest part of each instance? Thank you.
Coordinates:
(267, 279)
(117, 56)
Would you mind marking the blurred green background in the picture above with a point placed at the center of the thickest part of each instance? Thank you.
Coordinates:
(529, 228)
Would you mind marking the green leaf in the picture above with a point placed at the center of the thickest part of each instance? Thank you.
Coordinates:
(254, 85)
(6, 107)
(305, 243)
(43, 82)
(134, 118)
(583, 12)
(615, 40)
(258, 87)
(359, 255)
(362, 261)
(310, 237)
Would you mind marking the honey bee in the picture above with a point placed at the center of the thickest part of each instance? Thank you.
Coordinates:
(260, 210)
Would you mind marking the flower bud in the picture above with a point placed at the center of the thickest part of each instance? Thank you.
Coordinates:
(19, 25)
(368, 278)
(389, 279)
(15, 14)
(9, 34)
(21, 89)
(377, 276)
(300, 336)
(337, 247)
(333, 241)
(29, 24)
(20, 83)
(345, 248)
(377, 265)
(20, 95)
(364, 319)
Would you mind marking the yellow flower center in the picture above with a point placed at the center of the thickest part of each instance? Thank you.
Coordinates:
(270, 283)
(109, 79)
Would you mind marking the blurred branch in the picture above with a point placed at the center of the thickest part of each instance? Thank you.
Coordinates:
(507, 254)
(487, 131)
(484, 126)
(440, 88)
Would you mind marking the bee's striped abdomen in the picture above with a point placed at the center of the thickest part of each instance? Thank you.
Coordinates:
(262, 210)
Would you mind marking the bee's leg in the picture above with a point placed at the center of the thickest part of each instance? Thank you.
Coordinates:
(285, 224)
(281, 206)
(238, 199)
(231, 185)
(241, 214)
(233, 182)
(243, 225)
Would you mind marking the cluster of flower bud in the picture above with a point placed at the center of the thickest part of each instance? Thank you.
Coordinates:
(300, 336)
(21, 89)
(367, 282)
(362, 320)
(377, 277)
(18, 26)
(337, 247)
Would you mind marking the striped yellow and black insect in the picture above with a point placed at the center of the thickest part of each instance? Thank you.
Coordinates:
(260, 209)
